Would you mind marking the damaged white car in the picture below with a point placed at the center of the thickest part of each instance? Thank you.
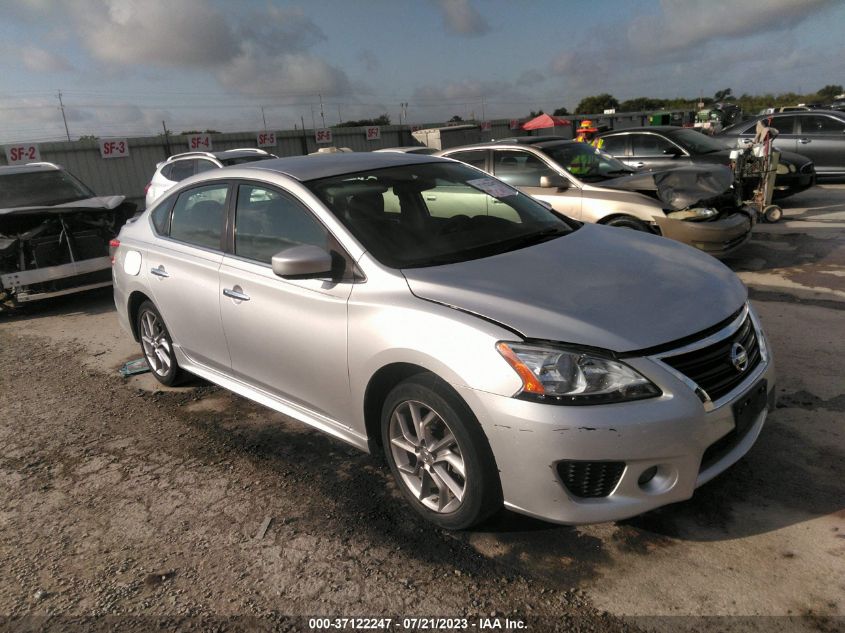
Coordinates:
(54, 233)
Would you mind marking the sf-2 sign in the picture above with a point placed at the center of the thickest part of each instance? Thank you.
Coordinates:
(22, 153)
(199, 142)
(114, 148)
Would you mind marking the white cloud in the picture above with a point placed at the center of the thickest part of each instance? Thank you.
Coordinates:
(38, 60)
(285, 75)
(684, 23)
(187, 33)
(461, 18)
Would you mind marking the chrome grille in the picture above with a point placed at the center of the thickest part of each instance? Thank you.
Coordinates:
(711, 367)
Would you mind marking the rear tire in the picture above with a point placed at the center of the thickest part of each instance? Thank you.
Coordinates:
(628, 222)
(157, 346)
(772, 213)
(439, 456)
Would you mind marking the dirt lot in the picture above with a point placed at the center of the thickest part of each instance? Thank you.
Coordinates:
(129, 506)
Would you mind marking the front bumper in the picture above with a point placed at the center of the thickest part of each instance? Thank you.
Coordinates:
(672, 433)
(718, 238)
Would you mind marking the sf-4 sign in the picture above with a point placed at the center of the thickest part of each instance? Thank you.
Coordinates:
(373, 133)
(114, 148)
(323, 135)
(199, 142)
(265, 139)
(22, 153)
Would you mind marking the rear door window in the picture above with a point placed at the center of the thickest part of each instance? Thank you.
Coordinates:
(180, 170)
(648, 145)
(783, 124)
(198, 216)
(615, 145)
(520, 169)
(476, 158)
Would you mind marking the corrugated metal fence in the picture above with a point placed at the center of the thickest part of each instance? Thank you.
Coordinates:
(129, 175)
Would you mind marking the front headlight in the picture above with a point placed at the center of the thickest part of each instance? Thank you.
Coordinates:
(693, 215)
(573, 376)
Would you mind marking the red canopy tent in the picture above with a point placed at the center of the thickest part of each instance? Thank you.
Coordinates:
(544, 121)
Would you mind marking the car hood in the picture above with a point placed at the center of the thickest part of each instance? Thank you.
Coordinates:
(99, 203)
(599, 286)
(679, 187)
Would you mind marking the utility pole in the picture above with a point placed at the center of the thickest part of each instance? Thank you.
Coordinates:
(166, 140)
(322, 114)
(339, 118)
(263, 118)
(64, 118)
(483, 118)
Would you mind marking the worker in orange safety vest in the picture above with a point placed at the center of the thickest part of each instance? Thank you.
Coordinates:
(586, 134)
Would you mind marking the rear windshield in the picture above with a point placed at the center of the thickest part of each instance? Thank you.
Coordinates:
(696, 142)
(41, 188)
(436, 213)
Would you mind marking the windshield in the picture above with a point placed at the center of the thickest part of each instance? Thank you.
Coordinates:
(696, 142)
(585, 162)
(436, 213)
(41, 188)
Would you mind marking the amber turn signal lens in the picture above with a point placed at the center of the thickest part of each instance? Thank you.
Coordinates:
(530, 382)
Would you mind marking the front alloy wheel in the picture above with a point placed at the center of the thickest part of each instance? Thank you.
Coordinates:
(439, 454)
(427, 456)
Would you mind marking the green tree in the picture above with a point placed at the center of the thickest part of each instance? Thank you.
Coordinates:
(456, 119)
(533, 114)
(829, 92)
(560, 112)
(640, 104)
(723, 95)
(596, 104)
(383, 119)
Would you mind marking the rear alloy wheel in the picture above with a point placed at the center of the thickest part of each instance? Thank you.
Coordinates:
(157, 345)
(438, 454)
(628, 222)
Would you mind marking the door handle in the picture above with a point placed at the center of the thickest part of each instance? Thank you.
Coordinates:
(639, 164)
(160, 272)
(236, 293)
(430, 196)
(804, 141)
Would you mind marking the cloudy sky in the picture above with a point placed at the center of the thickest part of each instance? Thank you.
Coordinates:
(123, 66)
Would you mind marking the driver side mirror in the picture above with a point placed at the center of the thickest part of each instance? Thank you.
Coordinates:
(302, 262)
(555, 181)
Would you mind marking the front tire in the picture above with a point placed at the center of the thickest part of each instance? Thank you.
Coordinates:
(438, 454)
(628, 222)
(157, 346)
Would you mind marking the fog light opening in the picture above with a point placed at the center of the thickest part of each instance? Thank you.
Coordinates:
(658, 479)
(647, 475)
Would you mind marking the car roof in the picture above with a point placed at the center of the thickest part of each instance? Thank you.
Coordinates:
(29, 168)
(304, 168)
(811, 112)
(648, 128)
(530, 140)
(505, 144)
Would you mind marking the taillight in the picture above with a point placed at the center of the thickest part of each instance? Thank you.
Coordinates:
(113, 244)
(147, 188)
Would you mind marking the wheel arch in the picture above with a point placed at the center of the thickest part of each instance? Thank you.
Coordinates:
(132, 305)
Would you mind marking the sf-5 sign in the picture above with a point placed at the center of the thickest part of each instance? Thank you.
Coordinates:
(114, 148)
(265, 139)
(22, 153)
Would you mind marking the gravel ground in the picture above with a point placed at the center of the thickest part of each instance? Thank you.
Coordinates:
(119, 501)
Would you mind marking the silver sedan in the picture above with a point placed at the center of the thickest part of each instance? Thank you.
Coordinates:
(498, 353)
